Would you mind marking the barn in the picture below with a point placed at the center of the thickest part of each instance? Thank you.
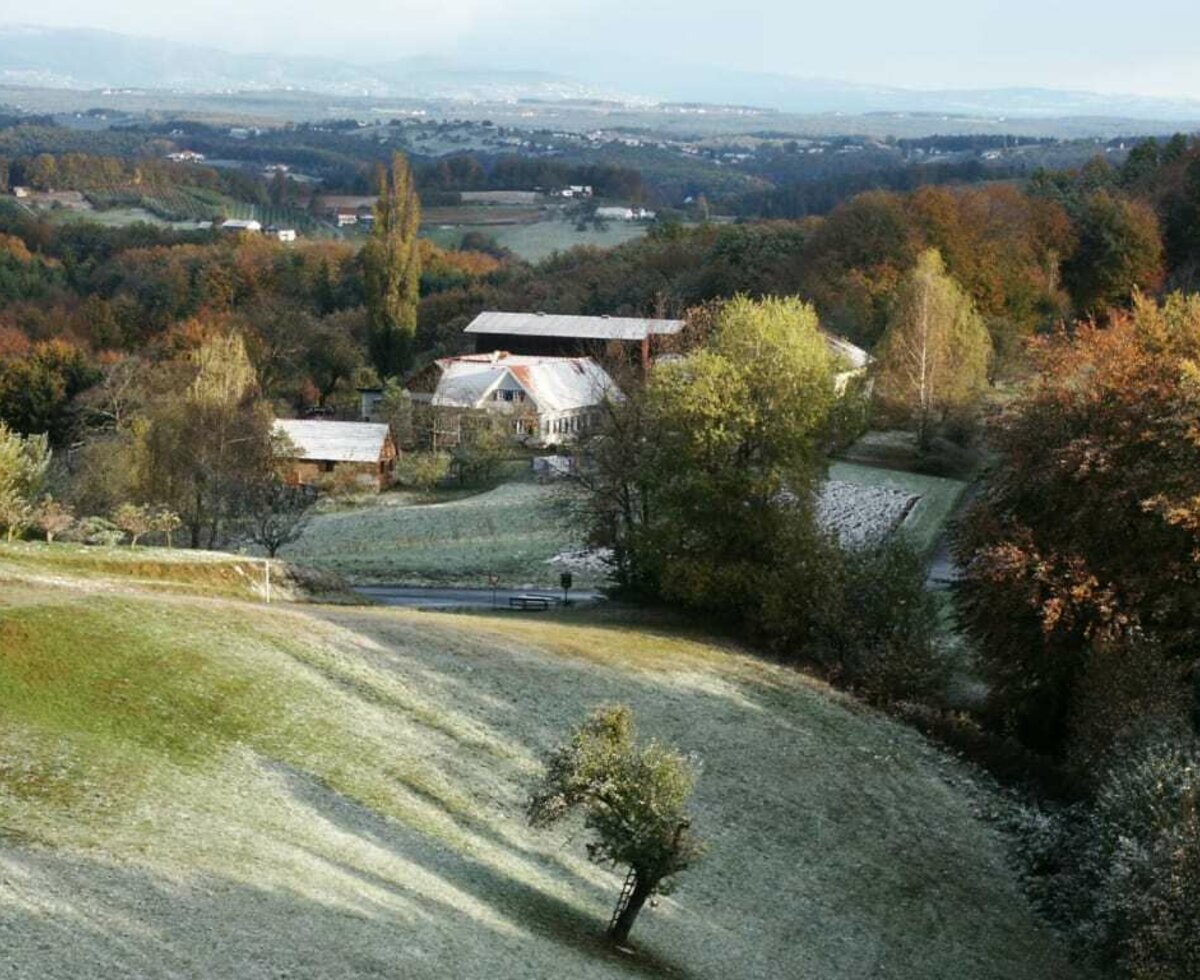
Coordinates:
(318, 450)
(560, 335)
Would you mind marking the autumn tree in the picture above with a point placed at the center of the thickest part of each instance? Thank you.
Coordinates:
(933, 360)
(392, 271)
(200, 452)
(135, 520)
(634, 800)
(52, 518)
(691, 505)
(1081, 551)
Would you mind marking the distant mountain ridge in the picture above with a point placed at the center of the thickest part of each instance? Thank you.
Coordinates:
(90, 59)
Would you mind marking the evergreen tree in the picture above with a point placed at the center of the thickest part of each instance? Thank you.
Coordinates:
(392, 271)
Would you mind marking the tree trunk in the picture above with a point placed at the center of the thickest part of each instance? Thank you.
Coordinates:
(637, 898)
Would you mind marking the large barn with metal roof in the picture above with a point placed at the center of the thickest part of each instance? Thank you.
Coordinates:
(561, 335)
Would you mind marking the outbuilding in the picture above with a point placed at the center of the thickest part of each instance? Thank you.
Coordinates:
(319, 450)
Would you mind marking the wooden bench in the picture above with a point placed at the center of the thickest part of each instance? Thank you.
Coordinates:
(540, 602)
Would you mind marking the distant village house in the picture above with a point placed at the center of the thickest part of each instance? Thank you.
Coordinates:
(242, 226)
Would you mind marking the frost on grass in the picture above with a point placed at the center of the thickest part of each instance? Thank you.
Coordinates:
(355, 806)
(858, 513)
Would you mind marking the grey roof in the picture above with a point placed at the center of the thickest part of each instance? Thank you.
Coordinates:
(556, 384)
(578, 327)
(855, 355)
(337, 442)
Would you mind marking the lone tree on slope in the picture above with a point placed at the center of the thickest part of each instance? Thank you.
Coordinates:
(634, 798)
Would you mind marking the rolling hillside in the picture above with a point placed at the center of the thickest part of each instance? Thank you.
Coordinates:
(193, 784)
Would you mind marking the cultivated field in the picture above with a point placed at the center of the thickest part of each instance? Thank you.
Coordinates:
(196, 786)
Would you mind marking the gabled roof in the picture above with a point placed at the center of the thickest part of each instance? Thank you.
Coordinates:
(555, 384)
(576, 327)
(855, 356)
(337, 442)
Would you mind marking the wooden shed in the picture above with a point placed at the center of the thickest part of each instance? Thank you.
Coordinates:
(318, 450)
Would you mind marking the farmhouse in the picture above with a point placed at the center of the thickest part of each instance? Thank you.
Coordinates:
(241, 226)
(850, 361)
(556, 335)
(543, 399)
(319, 449)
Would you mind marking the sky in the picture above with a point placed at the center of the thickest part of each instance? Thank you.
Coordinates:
(1151, 48)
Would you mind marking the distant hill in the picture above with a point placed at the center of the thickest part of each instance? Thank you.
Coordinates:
(90, 59)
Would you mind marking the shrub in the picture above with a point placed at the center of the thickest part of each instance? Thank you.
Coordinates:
(863, 614)
(1123, 872)
(97, 531)
(422, 471)
(1146, 860)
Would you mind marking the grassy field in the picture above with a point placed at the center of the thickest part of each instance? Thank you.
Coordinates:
(202, 787)
(510, 532)
(514, 530)
(540, 240)
(211, 573)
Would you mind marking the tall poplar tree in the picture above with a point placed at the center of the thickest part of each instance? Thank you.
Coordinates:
(392, 270)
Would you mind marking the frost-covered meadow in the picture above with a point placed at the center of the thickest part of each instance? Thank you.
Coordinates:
(518, 530)
(193, 786)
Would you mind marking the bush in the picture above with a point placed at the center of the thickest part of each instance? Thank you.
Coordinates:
(1123, 872)
(422, 471)
(863, 614)
(1124, 689)
(96, 531)
(1146, 860)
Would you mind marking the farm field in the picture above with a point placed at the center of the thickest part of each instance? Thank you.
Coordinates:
(511, 531)
(198, 786)
(539, 240)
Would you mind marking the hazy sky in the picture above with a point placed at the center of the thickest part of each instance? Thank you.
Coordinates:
(1151, 47)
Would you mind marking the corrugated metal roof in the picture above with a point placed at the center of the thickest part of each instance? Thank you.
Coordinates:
(338, 442)
(556, 384)
(577, 327)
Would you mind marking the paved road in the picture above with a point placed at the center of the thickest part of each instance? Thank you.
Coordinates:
(396, 595)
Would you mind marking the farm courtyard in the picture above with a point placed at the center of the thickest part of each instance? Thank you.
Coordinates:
(194, 784)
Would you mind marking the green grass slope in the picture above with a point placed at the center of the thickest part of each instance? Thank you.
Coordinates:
(194, 786)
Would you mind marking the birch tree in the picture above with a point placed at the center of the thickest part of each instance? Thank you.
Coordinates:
(933, 359)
